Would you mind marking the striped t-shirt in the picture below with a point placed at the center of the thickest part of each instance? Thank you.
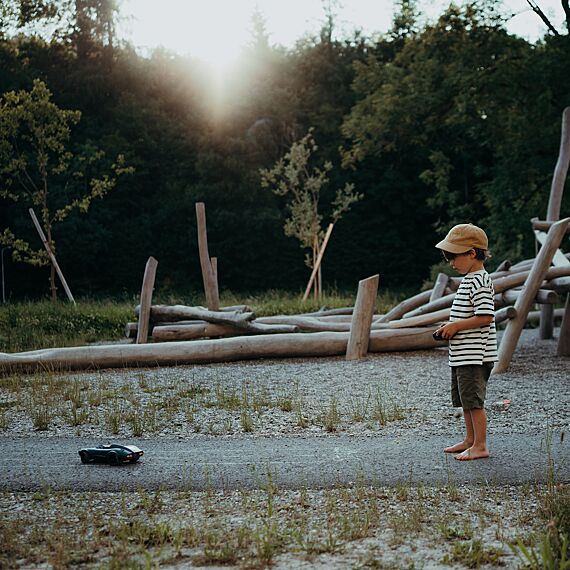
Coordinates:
(475, 297)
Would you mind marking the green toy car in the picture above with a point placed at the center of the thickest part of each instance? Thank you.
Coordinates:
(111, 453)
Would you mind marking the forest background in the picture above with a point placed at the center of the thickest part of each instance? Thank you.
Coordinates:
(434, 124)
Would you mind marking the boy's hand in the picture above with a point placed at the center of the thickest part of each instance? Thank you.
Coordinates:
(449, 330)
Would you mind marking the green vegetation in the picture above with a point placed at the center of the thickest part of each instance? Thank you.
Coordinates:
(41, 324)
(436, 123)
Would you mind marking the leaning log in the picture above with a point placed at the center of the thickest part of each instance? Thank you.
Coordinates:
(500, 285)
(209, 351)
(536, 276)
(406, 305)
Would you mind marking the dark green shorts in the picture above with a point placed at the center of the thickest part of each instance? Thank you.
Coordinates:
(469, 385)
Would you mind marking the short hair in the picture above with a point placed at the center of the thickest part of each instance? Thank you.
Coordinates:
(482, 254)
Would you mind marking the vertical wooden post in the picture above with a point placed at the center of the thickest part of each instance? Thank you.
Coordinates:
(564, 339)
(51, 255)
(362, 318)
(546, 327)
(526, 298)
(319, 260)
(146, 300)
(210, 284)
(439, 287)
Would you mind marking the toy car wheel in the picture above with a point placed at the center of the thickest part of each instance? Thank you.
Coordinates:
(84, 457)
(113, 458)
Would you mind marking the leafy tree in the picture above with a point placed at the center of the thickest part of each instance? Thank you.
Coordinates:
(38, 169)
(293, 177)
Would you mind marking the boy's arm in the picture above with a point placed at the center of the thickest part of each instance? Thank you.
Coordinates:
(449, 330)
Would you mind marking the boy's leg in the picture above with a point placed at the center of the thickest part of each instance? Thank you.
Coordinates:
(469, 435)
(479, 449)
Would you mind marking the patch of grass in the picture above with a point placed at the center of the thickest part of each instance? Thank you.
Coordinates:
(473, 554)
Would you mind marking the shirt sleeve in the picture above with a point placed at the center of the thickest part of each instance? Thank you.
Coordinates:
(483, 301)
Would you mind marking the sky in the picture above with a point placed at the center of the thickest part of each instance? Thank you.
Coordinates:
(214, 30)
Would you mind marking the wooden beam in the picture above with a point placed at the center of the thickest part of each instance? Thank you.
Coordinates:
(362, 318)
(207, 351)
(524, 301)
(208, 277)
(51, 255)
(146, 300)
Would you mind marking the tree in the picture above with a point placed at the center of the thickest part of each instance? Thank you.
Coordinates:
(293, 177)
(38, 169)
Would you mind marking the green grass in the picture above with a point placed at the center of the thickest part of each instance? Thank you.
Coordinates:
(34, 325)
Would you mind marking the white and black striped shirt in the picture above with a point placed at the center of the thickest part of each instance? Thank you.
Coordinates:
(475, 297)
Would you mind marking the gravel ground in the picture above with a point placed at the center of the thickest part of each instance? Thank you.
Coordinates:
(384, 394)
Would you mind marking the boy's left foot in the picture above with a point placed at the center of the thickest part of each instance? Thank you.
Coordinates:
(471, 454)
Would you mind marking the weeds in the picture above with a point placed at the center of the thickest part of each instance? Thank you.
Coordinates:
(473, 554)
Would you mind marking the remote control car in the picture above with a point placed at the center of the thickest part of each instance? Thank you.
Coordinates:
(111, 453)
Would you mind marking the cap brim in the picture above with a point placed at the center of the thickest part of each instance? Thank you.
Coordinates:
(452, 248)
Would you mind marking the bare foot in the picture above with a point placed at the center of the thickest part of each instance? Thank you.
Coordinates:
(458, 447)
(471, 454)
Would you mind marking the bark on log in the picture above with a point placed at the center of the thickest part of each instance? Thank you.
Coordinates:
(207, 351)
(362, 318)
(421, 320)
(537, 274)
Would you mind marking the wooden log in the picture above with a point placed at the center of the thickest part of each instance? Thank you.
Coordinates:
(318, 261)
(504, 314)
(535, 315)
(168, 333)
(208, 351)
(362, 318)
(146, 300)
(208, 278)
(307, 324)
(543, 297)
(544, 225)
(406, 306)
(330, 312)
(173, 313)
(546, 327)
(563, 348)
(421, 320)
(503, 266)
(51, 255)
(537, 274)
(501, 284)
(439, 286)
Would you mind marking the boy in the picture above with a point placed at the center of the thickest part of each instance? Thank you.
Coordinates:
(471, 334)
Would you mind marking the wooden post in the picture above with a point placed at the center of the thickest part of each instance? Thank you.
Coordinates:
(146, 300)
(362, 318)
(546, 327)
(318, 262)
(564, 339)
(526, 298)
(439, 287)
(51, 255)
(210, 284)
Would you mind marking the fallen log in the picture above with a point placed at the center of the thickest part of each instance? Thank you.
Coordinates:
(535, 315)
(406, 306)
(173, 313)
(168, 333)
(543, 297)
(209, 351)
